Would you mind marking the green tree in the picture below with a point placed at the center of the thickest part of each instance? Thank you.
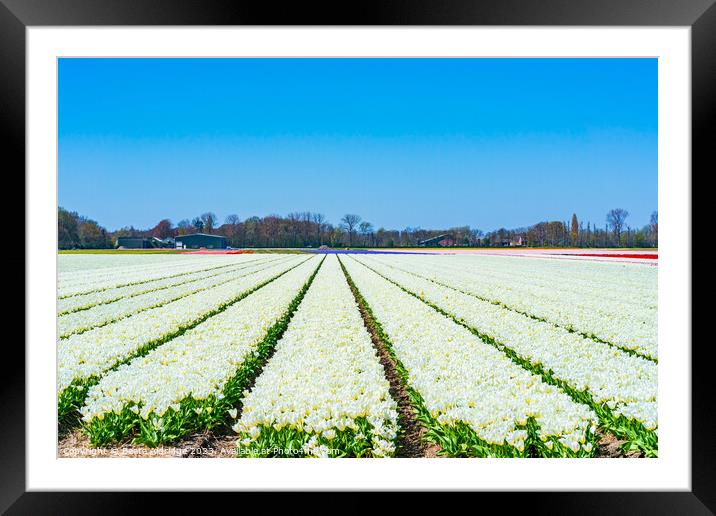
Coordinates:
(574, 233)
(68, 235)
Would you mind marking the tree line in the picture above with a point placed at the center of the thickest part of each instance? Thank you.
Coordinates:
(615, 233)
(308, 229)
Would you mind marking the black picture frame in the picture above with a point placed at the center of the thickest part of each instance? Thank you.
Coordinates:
(17, 15)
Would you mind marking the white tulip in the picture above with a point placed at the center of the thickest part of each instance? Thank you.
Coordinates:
(96, 351)
(461, 378)
(204, 358)
(325, 373)
(627, 384)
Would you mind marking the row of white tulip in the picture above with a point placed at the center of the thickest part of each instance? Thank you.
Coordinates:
(78, 322)
(70, 279)
(95, 351)
(636, 290)
(624, 326)
(69, 265)
(615, 272)
(626, 383)
(119, 278)
(84, 301)
(464, 380)
(628, 283)
(198, 363)
(324, 377)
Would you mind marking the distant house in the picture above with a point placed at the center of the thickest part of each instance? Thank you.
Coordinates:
(134, 243)
(200, 240)
(511, 242)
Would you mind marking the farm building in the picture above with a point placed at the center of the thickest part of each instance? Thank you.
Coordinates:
(163, 242)
(199, 240)
(440, 240)
(134, 243)
(514, 242)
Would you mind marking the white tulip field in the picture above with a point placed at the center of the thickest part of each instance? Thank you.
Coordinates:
(354, 354)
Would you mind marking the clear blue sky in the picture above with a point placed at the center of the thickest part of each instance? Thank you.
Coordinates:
(427, 143)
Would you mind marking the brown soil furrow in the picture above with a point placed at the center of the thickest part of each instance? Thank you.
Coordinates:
(410, 443)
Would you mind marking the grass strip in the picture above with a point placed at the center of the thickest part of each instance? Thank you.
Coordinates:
(122, 251)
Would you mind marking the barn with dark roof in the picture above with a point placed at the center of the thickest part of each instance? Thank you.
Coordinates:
(200, 240)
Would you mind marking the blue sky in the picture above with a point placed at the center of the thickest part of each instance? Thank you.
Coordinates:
(427, 143)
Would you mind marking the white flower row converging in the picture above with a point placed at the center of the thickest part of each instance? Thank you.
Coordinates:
(79, 265)
(325, 374)
(615, 284)
(464, 380)
(106, 279)
(100, 315)
(85, 301)
(622, 325)
(626, 383)
(66, 280)
(612, 275)
(93, 352)
(198, 363)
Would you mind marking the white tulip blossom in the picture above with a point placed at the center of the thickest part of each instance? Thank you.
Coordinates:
(83, 282)
(626, 383)
(325, 375)
(94, 352)
(78, 322)
(464, 380)
(165, 341)
(75, 266)
(199, 363)
(616, 302)
(110, 295)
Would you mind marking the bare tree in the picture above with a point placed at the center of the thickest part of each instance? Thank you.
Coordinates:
(319, 219)
(615, 220)
(366, 229)
(306, 217)
(476, 235)
(351, 221)
(184, 227)
(294, 224)
(209, 220)
(232, 219)
(654, 227)
(231, 228)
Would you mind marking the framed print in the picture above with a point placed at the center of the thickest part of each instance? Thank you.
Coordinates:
(410, 251)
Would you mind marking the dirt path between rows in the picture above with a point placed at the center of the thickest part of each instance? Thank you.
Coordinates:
(410, 443)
